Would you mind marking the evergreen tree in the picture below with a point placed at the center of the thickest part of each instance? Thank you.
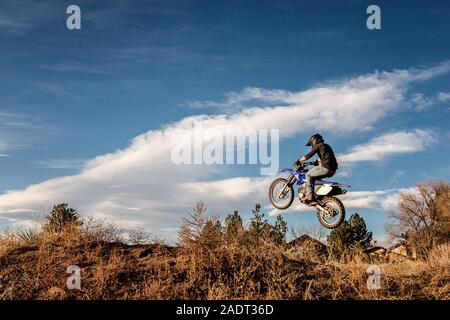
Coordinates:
(259, 227)
(211, 234)
(279, 230)
(361, 237)
(350, 235)
(341, 238)
(233, 226)
(60, 217)
(193, 225)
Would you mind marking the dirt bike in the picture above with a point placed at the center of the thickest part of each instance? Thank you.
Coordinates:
(330, 210)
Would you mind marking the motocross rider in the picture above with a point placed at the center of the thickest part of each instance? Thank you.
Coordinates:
(326, 166)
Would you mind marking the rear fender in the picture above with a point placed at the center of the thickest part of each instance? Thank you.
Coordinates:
(324, 189)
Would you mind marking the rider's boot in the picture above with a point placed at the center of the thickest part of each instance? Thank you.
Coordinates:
(309, 197)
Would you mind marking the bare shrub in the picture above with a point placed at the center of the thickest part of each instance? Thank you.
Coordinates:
(100, 230)
(60, 216)
(422, 219)
(208, 264)
(139, 236)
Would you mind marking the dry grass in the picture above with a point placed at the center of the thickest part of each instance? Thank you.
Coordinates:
(35, 268)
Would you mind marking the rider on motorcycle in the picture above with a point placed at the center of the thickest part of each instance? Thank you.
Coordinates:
(325, 167)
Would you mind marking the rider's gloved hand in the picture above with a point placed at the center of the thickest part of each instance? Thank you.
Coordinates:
(298, 162)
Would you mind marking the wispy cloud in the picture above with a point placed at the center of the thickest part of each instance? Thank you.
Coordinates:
(17, 19)
(13, 24)
(165, 56)
(397, 175)
(380, 148)
(373, 200)
(444, 96)
(396, 81)
(61, 163)
(391, 202)
(421, 102)
(377, 200)
(250, 96)
(72, 66)
(19, 131)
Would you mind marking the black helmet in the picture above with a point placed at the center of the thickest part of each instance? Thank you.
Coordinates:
(315, 139)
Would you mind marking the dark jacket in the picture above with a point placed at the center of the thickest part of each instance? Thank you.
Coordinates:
(326, 156)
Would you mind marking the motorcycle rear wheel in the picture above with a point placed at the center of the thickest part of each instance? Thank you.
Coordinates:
(275, 187)
(336, 207)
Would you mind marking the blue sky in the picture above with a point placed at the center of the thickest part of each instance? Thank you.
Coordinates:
(135, 67)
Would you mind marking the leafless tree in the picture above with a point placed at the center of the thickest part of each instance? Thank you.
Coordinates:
(422, 219)
(317, 232)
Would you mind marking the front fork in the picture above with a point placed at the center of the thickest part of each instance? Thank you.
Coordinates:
(290, 181)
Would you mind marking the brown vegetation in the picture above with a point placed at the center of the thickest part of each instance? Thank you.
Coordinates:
(422, 220)
(210, 262)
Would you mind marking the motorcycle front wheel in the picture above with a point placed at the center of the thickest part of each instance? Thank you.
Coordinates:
(334, 212)
(280, 200)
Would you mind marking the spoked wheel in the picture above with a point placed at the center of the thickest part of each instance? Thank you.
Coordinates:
(333, 214)
(281, 199)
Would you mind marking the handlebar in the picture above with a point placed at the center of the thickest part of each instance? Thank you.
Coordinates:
(304, 163)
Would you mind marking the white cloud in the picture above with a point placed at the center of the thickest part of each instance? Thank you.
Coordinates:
(246, 97)
(421, 102)
(443, 96)
(390, 144)
(377, 200)
(74, 67)
(25, 224)
(19, 131)
(397, 175)
(366, 199)
(233, 189)
(140, 184)
(61, 163)
(373, 200)
(16, 19)
(390, 203)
